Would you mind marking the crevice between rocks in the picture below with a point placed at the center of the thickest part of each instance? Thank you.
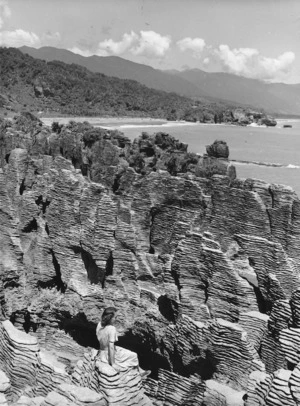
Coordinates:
(168, 308)
(263, 305)
(95, 274)
(175, 276)
(57, 280)
(28, 323)
(43, 205)
(117, 183)
(141, 340)
(47, 229)
(109, 268)
(206, 286)
(93, 271)
(31, 226)
(272, 197)
(22, 187)
(80, 329)
(152, 214)
(270, 219)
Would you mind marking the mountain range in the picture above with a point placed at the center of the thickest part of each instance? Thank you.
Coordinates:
(275, 98)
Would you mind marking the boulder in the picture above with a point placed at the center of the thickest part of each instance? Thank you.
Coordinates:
(219, 149)
(268, 121)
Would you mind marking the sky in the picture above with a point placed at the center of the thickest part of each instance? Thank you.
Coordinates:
(253, 38)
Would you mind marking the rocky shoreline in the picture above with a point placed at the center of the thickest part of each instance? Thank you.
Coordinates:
(111, 123)
(236, 116)
(203, 266)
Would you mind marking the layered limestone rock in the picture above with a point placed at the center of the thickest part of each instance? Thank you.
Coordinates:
(203, 266)
(221, 395)
(28, 369)
(123, 388)
(208, 350)
(36, 377)
(273, 390)
(173, 389)
(5, 387)
(18, 358)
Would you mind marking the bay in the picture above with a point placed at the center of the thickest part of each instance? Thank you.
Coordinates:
(273, 151)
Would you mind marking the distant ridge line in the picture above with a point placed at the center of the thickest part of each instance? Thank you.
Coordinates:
(274, 98)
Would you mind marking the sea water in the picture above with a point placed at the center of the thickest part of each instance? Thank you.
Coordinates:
(268, 153)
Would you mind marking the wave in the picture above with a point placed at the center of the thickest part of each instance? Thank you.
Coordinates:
(291, 166)
(268, 164)
(171, 124)
(129, 126)
(257, 125)
(288, 120)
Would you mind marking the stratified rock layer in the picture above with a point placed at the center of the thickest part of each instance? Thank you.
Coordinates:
(124, 388)
(34, 374)
(203, 267)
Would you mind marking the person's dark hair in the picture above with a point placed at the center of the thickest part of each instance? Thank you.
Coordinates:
(107, 315)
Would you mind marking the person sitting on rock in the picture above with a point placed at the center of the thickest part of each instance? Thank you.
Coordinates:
(120, 359)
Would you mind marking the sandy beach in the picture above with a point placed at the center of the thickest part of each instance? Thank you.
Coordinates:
(107, 121)
(120, 123)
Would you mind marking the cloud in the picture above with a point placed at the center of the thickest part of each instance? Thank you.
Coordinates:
(250, 63)
(196, 45)
(4, 12)
(19, 38)
(247, 62)
(118, 47)
(146, 43)
(151, 43)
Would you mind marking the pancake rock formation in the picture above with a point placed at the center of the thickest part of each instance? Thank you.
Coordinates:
(203, 267)
(29, 373)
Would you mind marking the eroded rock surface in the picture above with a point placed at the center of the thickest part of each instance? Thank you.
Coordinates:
(203, 266)
(32, 375)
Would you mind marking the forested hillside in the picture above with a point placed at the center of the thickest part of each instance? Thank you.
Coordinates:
(72, 89)
(120, 68)
(57, 88)
(37, 85)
